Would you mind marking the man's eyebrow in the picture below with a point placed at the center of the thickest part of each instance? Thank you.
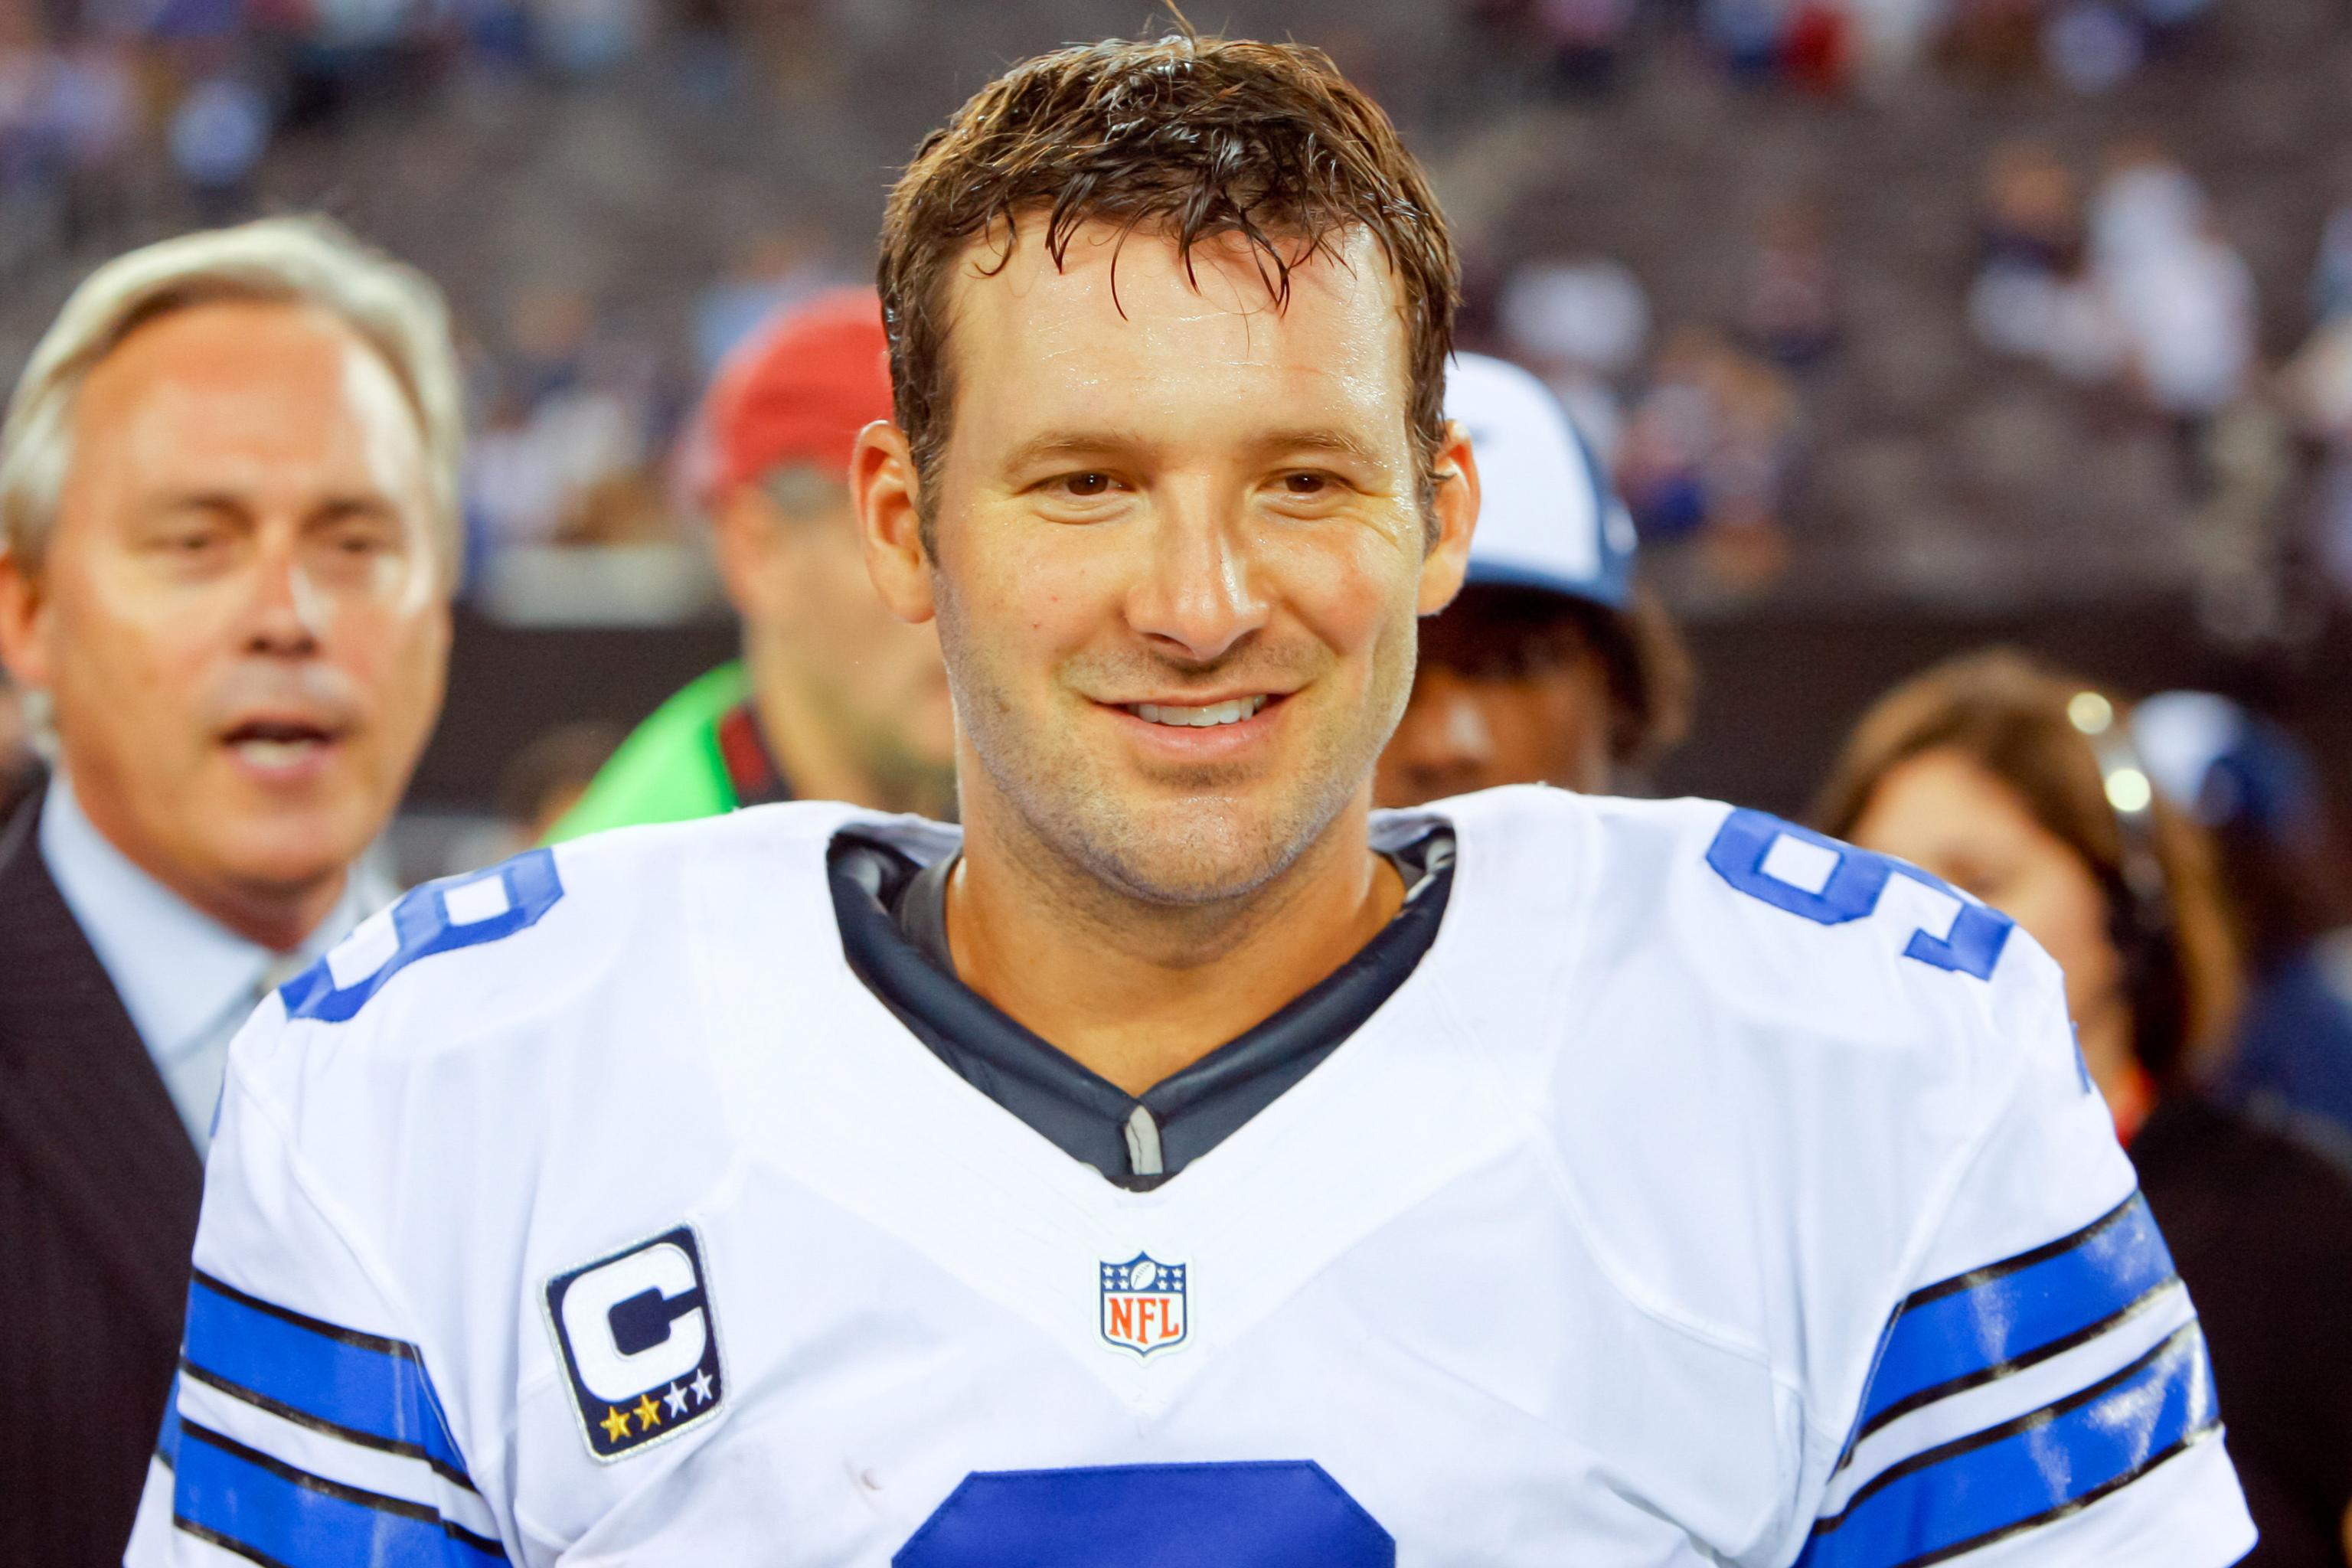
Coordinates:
(1078, 443)
(1109, 443)
(1319, 438)
(336, 508)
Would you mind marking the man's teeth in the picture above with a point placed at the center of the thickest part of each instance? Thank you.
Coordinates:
(277, 753)
(1216, 713)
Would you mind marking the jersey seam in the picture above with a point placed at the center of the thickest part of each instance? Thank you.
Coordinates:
(1516, 1107)
(1574, 1016)
(1933, 1216)
(347, 1230)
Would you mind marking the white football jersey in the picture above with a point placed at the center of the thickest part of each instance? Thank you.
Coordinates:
(1708, 1193)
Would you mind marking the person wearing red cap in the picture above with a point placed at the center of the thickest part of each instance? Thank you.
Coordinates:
(835, 697)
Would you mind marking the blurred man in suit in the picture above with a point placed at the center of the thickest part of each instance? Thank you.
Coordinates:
(228, 537)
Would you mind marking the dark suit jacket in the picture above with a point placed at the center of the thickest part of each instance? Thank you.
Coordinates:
(99, 1191)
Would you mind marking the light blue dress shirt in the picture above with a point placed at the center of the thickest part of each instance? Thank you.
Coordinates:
(188, 982)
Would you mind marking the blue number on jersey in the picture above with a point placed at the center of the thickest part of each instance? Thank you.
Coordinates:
(1851, 892)
(1267, 1515)
(440, 917)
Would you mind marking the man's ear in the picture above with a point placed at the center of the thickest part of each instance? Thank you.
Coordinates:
(1454, 502)
(24, 614)
(887, 493)
(745, 537)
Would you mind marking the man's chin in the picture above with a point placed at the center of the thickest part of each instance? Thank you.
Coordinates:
(285, 854)
(1194, 854)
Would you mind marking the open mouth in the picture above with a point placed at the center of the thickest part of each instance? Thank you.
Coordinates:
(278, 742)
(1206, 717)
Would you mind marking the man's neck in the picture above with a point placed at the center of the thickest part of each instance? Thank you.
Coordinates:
(1135, 990)
(280, 918)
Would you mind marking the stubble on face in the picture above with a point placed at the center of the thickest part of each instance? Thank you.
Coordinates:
(1194, 372)
(1192, 841)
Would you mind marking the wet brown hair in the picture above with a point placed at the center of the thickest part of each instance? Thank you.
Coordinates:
(1191, 137)
(2008, 714)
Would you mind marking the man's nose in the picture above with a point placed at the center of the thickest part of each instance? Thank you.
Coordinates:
(285, 612)
(1198, 596)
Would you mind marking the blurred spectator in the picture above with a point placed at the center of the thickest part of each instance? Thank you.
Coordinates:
(568, 432)
(2258, 793)
(1585, 39)
(2022, 787)
(2317, 390)
(1747, 33)
(2331, 275)
(1582, 326)
(2091, 46)
(2147, 293)
(2032, 214)
(1818, 46)
(835, 697)
(585, 38)
(1707, 452)
(1792, 314)
(775, 270)
(1993, 41)
(2034, 295)
(218, 137)
(1547, 668)
(2182, 297)
(546, 778)
(277, 411)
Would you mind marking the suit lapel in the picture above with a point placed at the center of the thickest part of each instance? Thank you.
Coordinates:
(82, 1108)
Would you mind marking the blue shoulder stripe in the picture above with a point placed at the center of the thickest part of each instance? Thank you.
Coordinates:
(440, 917)
(1994, 1320)
(245, 1502)
(362, 1388)
(2027, 1472)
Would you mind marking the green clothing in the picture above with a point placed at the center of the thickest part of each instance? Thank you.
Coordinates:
(670, 768)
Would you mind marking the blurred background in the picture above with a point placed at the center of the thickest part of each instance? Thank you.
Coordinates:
(1905, 325)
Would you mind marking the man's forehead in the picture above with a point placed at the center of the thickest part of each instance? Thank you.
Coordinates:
(247, 371)
(1024, 300)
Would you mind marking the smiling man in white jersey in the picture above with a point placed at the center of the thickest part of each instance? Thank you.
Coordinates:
(1184, 1166)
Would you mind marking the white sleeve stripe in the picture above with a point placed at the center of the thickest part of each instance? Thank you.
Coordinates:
(306, 1446)
(2189, 1515)
(1990, 1321)
(192, 1375)
(1994, 1403)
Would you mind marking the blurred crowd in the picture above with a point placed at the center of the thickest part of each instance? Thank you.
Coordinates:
(1735, 423)
(1839, 45)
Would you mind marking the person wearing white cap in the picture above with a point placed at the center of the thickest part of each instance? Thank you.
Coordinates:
(1549, 667)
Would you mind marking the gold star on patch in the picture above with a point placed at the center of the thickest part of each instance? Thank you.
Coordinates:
(616, 1423)
(648, 1412)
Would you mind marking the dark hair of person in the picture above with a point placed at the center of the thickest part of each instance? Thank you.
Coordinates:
(2007, 713)
(1497, 630)
(1191, 137)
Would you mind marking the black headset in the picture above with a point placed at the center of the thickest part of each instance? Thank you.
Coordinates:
(2139, 902)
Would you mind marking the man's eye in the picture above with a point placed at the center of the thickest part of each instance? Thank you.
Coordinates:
(1086, 486)
(1306, 484)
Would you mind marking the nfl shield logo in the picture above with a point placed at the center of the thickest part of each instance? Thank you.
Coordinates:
(1143, 1304)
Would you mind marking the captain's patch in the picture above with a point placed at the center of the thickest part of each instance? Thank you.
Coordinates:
(639, 1342)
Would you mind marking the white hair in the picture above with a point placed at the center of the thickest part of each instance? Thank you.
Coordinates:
(392, 307)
